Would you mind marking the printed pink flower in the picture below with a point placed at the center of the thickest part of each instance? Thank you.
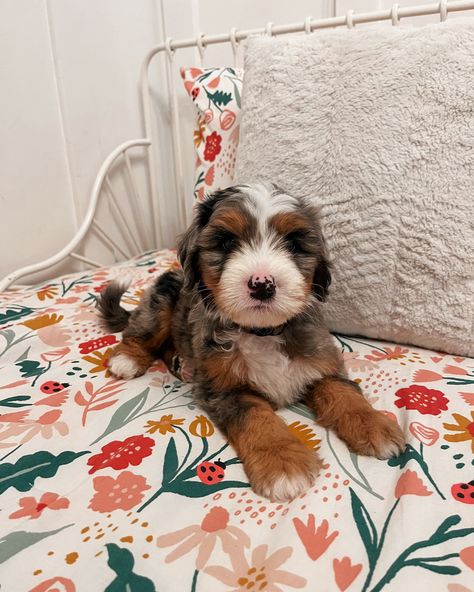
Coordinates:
(449, 369)
(209, 176)
(344, 572)
(55, 336)
(120, 455)
(426, 376)
(213, 146)
(55, 354)
(410, 484)
(352, 362)
(261, 573)
(315, 540)
(32, 508)
(56, 584)
(14, 417)
(214, 526)
(45, 426)
(69, 300)
(426, 401)
(123, 493)
(214, 82)
(208, 117)
(424, 434)
(227, 119)
(79, 289)
(467, 556)
(396, 353)
(55, 400)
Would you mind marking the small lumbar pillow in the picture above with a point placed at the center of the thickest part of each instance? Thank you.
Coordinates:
(216, 93)
(376, 126)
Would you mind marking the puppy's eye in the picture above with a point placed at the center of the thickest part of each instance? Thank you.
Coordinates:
(294, 242)
(227, 242)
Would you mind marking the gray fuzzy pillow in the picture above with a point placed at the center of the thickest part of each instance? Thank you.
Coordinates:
(376, 126)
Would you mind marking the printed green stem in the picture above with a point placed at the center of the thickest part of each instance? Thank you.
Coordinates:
(194, 582)
(360, 483)
(370, 345)
(44, 372)
(151, 499)
(424, 467)
(343, 343)
(11, 452)
(13, 343)
(380, 546)
(188, 451)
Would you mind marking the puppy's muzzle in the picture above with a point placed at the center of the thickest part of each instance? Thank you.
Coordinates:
(262, 286)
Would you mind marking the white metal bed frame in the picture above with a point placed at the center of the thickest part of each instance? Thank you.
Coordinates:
(148, 223)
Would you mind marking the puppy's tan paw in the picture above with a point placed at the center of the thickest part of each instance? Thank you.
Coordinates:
(282, 472)
(373, 434)
(123, 366)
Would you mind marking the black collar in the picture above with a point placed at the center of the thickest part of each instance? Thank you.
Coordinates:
(264, 331)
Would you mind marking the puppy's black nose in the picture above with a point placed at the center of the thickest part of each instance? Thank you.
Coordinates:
(262, 287)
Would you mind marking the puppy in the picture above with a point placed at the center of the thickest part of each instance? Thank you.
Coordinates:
(245, 311)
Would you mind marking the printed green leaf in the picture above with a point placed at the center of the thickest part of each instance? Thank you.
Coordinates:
(29, 368)
(125, 414)
(24, 355)
(400, 461)
(365, 526)
(14, 313)
(219, 97)
(121, 561)
(22, 474)
(198, 489)
(170, 463)
(13, 543)
(236, 94)
(448, 570)
(15, 401)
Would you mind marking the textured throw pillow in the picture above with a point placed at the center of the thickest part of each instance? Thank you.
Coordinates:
(377, 127)
(216, 93)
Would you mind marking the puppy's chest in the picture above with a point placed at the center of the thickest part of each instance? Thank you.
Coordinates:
(270, 370)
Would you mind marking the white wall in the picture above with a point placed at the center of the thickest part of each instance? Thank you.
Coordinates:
(69, 94)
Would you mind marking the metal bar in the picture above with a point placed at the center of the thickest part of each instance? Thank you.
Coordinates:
(90, 262)
(86, 223)
(141, 227)
(123, 226)
(109, 241)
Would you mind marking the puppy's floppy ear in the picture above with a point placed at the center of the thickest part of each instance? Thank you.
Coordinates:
(322, 279)
(188, 255)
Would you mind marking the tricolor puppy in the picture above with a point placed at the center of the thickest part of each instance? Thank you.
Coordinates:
(245, 311)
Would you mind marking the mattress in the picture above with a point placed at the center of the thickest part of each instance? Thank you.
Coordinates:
(108, 485)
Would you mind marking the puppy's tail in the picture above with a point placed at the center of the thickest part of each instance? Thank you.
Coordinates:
(113, 316)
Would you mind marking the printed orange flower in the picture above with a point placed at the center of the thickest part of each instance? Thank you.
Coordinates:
(467, 556)
(344, 572)
(45, 426)
(305, 434)
(410, 484)
(424, 434)
(121, 454)
(261, 573)
(214, 526)
(457, 370)
(426, 401)
(465, 428)
(166, 424)
(397, 353)
(315, 540)
(201, 427)
(426, 376)
(56, 584)
(199, 133)
(32, 508)
(123, 493)
(47, 292)
(100, 359)
(45, 320)
(213, 146)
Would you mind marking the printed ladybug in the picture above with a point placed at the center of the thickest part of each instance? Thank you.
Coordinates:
(53, 387)
(463, 492)
(211, 473)
(195, 92)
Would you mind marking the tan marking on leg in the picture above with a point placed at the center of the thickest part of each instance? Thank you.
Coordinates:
(341, 406)
(277, 464)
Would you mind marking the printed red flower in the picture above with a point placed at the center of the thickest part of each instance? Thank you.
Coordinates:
(119, 455)
(426, 401)
(213, 146)
(33, 508)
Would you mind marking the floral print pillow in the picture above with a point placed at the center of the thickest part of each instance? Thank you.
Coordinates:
(216, 92)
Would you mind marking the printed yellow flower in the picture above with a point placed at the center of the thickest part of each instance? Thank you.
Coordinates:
(464, 426)
(305, 434)
(199, 133)
(47, 292)
(201, 427)
(43, 321)
(166, 424)
(100, 359)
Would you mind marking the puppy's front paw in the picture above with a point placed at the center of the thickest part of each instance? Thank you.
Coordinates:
(373, 434)
(123, 366)
(282, 471)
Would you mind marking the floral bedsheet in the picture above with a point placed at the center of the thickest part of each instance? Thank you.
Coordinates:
(100, 488)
